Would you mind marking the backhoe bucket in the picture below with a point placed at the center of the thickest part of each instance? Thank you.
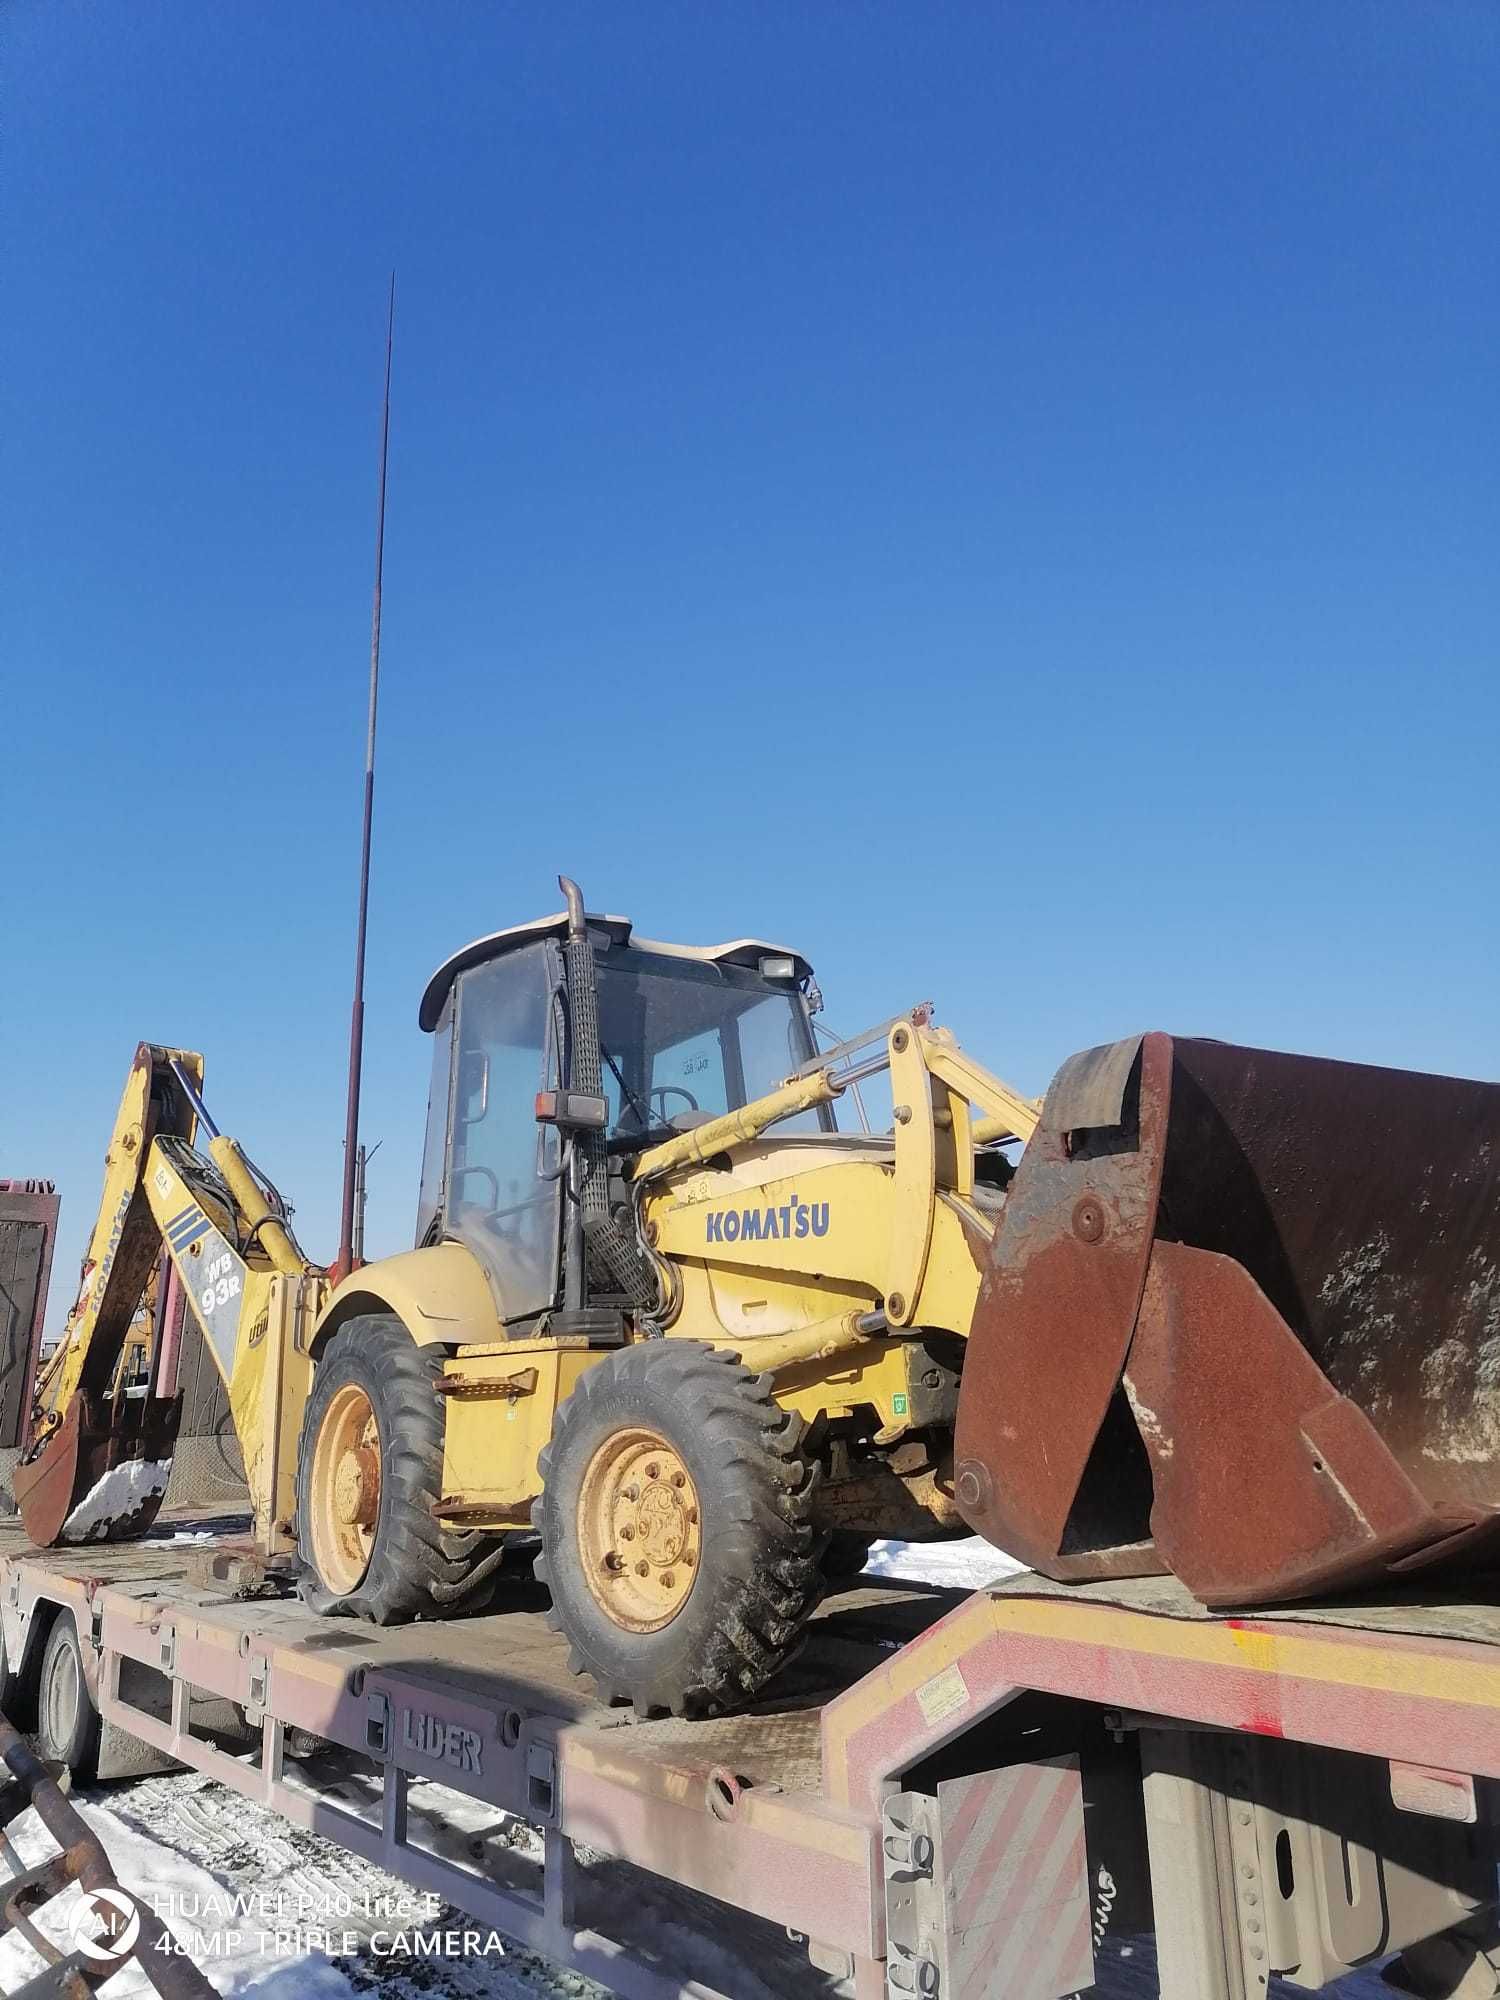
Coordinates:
(102, 1474)
(1242, 1322)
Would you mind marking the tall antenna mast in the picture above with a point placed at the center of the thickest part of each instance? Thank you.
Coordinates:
(357, 1010)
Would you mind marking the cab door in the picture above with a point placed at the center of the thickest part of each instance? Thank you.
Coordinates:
(502, 1198)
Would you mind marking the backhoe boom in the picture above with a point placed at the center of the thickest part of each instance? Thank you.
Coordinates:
(95, 1467)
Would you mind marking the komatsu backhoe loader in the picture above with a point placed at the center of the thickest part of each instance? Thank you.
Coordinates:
(1232, 1314)
(660, 1309)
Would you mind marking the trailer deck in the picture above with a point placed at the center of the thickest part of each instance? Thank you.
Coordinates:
(997, 1720)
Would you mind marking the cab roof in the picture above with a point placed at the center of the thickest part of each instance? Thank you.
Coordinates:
(618, 930)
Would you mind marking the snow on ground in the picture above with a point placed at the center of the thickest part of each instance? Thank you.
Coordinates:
(965, 1565)
(157, 1872)
(269, 1908)
(214, 1864)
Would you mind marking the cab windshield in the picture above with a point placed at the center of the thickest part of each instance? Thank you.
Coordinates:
(682, 1040)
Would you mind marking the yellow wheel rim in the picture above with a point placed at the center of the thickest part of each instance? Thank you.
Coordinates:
(639, 1532)
(345, 1488)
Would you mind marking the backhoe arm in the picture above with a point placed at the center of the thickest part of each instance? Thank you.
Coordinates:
(125, 1242)
(96, 1468)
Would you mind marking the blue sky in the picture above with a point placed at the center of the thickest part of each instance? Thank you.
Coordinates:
(1002, 498)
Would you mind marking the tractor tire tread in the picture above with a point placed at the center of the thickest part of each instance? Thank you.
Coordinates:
(762, 1550)
(413, 1554)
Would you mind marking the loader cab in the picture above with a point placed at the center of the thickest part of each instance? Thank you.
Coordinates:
(685, 1035)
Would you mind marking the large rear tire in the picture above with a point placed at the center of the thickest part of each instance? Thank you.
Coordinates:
(369, 1467)
(676, 1526)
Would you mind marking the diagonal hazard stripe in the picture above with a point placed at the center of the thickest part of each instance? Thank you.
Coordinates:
(1030, 1914)
(1049, 1937)
(1010, 1821)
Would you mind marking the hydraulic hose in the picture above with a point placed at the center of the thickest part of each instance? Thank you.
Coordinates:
(618, 1250)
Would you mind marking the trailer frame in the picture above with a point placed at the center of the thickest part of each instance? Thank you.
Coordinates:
(976, 1788)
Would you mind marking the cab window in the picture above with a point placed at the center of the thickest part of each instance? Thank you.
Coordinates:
(497, 1202)
(689, 1076)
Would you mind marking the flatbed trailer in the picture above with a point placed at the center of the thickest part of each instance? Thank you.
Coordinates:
(951, 1795)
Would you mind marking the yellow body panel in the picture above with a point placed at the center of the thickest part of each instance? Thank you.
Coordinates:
(502, 1402)
(875, 1375)
(438, 1294)
(502, 1399)
(846, 1258)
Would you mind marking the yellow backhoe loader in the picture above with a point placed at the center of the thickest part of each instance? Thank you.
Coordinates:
(660, 1309)
(665, 1314)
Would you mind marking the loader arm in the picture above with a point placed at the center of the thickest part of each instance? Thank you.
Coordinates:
(95, 1468)
(1007, 1114)
(906, 1231)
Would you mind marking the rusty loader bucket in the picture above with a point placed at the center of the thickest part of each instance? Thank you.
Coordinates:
(1242, 1323)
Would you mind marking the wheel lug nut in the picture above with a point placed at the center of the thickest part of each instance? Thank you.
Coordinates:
(653, 1471)
(632, 1493)
(642, 1569)
(667, 1579)
(627, 1533)
(679, 1479)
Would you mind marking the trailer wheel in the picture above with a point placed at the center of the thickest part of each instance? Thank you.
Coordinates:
(67, 1722)
(369, 1467)
(677, 1538)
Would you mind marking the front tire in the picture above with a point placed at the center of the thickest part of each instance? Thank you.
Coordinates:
(369, 1467)
(677, 1538)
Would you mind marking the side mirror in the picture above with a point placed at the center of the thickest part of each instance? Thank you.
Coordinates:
(473, 1087)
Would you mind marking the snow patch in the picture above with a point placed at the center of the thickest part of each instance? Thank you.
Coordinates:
(156, 1874)
(212, 1862)
(123, 1491)
(966, 1565)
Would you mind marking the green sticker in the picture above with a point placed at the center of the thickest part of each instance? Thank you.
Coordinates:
(898, 1405)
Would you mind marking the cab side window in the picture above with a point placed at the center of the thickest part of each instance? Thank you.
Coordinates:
(497, 1202)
